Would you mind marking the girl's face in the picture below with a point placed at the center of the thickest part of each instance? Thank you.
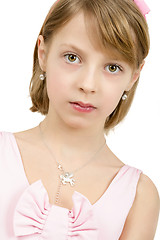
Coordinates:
(77, 71)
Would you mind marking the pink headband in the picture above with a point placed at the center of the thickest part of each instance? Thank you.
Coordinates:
(142, 7)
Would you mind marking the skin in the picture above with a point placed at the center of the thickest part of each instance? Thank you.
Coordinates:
(82, 80)
(86, 76)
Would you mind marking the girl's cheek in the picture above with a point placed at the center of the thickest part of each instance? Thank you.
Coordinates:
(111, 104)
(56, 81)
(68, 67)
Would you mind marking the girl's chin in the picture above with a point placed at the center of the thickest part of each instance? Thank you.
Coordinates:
(80, 124)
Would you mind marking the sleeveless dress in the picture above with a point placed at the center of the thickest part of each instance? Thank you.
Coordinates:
(26, 214)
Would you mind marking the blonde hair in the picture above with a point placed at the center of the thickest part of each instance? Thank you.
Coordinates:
(118, 23)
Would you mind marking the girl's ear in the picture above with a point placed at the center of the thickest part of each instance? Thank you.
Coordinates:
(41, 53)
(135, 76)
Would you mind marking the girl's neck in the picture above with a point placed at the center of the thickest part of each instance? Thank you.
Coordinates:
(71, 142)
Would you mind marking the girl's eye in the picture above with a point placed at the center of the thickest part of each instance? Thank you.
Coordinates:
(113, 68)
(71, 58)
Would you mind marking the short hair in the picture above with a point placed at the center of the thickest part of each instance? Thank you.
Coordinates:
(118, 23)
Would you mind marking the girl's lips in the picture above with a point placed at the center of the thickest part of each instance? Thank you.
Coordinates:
(84, 105)
(85, 109)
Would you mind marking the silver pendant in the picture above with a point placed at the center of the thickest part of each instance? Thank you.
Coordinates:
(67, 178)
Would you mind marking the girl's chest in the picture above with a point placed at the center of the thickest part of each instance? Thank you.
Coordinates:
(91, 181)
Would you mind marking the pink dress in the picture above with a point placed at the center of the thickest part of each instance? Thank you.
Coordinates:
(26, 214)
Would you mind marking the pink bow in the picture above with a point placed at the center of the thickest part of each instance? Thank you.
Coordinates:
(142, 6)
(82, 222)
(36, 218)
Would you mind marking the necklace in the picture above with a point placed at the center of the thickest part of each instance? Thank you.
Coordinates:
(66, 177)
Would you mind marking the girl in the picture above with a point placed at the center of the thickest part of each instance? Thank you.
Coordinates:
(61, 179)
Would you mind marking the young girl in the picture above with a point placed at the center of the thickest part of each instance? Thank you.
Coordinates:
(60, 180)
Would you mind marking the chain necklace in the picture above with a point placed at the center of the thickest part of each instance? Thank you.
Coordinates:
(66, 177)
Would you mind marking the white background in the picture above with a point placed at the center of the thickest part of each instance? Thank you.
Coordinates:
(136, 141)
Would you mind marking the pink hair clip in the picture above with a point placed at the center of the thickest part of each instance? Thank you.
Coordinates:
(142, 6)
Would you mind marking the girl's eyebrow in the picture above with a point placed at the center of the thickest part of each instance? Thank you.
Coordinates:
(74, 48)
(110, 55)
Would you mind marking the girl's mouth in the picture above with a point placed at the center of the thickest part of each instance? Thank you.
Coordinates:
(82, 107)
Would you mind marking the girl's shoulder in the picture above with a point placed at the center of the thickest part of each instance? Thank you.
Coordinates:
(9, 138)
(29, 135)
(147, 192)
(145, 209)
(12, 143)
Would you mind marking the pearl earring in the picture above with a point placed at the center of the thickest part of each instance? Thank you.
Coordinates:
(124, 97)
(42, 77)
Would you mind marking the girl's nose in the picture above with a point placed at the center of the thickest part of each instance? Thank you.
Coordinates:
(88, 81)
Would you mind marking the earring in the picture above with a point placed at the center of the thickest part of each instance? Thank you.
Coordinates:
(124, 97)
(42, 77)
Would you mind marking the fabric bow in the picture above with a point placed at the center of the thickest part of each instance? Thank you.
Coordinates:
(36, 218)
(142, 6)
(82, 222)
(31, 211)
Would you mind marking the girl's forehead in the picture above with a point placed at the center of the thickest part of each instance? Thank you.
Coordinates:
(76, 31)
(77, 35)
(75, 24)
